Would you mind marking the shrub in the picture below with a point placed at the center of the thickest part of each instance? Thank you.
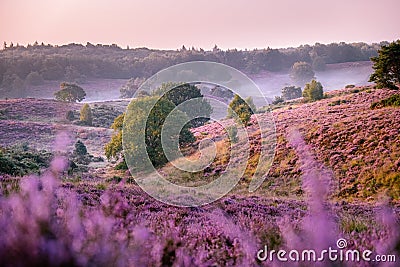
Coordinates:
(250, 102)
(241, 108)
(232, 133)
(277, 100)
(392, 101)
(291, 92)
(21, 160)
(121, 166)
(70, 115)
(86, 115)
(313, 91)
(221, 92)
(80, 148)
(337, 102)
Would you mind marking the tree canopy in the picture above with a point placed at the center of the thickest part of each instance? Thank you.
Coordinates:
(301, 73)
(70, 92)
(313, 91)
(182, 93)
(74, 61)
(137, 117)
(132, 85)
(154, 124)
(86, 115)
(291, 92)
(243, 109)
(387, 66)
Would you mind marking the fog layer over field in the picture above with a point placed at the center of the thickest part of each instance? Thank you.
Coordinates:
(335, 76)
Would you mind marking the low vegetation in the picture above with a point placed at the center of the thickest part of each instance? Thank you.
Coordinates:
(391, 101)
(20, 160)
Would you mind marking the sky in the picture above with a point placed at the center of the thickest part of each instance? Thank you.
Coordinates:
(169, 24)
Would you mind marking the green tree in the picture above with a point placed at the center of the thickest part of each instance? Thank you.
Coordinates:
(242, 108)
(70, 92)
(313, 91)
(291, 92)
(154, 124)
(86, 115)
(113, 148)
(301, 73)
(387, 66)
(182, 93)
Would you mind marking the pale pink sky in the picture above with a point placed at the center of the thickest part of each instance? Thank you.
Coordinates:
(168, 24)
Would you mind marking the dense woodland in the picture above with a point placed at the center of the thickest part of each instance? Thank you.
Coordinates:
(75, 62)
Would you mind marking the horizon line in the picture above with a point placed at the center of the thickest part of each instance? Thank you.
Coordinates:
(188, 47)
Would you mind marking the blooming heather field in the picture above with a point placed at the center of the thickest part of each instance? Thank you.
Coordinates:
(336, 174)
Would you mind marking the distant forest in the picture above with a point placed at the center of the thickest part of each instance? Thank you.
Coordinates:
(75, 62)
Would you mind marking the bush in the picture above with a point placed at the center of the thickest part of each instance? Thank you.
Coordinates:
(70, 115)
(21, 160)
(392, 101)
(86, 115)
(221, 92)
(313, 91)
(291, 92)
(232, 133)
(242, 110)
(337, 102)
(80, 148)
(277, 100)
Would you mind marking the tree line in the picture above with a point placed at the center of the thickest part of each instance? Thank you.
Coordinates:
(76, 62)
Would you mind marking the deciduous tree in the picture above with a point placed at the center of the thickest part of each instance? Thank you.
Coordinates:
(313, 91)
(70, 92)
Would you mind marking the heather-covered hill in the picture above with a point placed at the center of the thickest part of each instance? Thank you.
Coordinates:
(339, 139)
(359, 144)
